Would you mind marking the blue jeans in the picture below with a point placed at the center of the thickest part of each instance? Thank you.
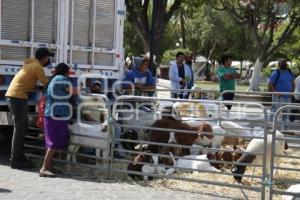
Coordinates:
(118, 131)
(278, 102)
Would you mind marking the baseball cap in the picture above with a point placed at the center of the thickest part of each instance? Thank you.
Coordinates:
(43, 52)
(97, 83)
(138, 61)
(281, 60)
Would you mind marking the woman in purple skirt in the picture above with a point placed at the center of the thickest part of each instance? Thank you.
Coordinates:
(57, 115)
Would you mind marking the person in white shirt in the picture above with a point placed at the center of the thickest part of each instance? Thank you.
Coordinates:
(180, 76)
(296, 99)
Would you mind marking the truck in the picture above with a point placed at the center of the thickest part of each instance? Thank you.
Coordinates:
(85, 34)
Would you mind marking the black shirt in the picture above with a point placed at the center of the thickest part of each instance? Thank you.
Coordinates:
(181, 72)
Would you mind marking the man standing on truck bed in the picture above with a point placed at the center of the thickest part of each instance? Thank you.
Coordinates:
(17, 95)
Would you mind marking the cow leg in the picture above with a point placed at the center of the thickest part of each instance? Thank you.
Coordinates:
(98, 155)
(105, 155)
(76, 149)
(71, 151)
(253, 170)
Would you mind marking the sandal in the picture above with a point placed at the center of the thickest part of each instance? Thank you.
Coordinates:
(46, 173)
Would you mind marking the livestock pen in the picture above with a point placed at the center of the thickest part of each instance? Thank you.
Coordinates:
(248, 121)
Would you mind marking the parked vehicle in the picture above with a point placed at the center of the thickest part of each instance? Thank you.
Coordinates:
(86, 34)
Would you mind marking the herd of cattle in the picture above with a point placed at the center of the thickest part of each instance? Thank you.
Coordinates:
(176, 141)
(181, 137)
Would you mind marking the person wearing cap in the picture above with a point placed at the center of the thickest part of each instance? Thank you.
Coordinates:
(140, 77)
(57, 116)
(281, 80)
(17, 95)
(180, 76)
(90, 111)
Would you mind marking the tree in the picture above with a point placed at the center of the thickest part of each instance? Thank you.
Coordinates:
(139, 15)
(263, 19)
(182, 17)
(214, 33)
(291, 49)
(132, 42)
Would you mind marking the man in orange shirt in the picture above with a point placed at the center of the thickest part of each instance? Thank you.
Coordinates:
(17, 96)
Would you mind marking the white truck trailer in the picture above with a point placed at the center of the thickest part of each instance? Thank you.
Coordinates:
(86, 34)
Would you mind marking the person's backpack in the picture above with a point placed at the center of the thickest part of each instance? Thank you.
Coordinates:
(278, 75)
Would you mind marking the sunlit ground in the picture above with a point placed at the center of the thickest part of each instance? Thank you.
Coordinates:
(206, 85)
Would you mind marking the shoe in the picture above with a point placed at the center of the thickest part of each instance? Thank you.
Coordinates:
(26, 164)
(46, 173)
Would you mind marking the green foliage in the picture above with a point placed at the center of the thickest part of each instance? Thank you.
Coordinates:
(291, 48)
(170, 55)
(132, 43)
(295, 67)
(267, 71)
(209, 28)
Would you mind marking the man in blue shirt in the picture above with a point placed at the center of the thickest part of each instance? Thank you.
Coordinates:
(140, 77)
(281, 80)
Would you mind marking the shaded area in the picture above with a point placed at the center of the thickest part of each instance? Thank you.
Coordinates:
(5, 143)
(2, 190)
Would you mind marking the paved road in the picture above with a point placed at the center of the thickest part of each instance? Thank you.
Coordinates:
(17, 185)
(27, 185)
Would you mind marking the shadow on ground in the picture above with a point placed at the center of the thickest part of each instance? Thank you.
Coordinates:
(82, 173)
(2, 190)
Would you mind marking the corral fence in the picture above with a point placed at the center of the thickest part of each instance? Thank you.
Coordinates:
(247, 114)
(134, 116)
(94, 137)
(292, 173)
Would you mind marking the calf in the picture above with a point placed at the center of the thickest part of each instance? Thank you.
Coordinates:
(90, 135)
(188, 139)
(138, 167)
(255, 147)
(229, 156)
(166, 150)
(195, 162)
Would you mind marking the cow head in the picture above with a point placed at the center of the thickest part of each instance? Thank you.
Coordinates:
(166, 150)
(205, 128)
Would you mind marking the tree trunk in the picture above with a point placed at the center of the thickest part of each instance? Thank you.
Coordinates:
(139, 17)
(254, 81)
(146, 43)
(198, 71)
(182, 24)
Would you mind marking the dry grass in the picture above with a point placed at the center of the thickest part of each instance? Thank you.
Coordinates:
(282, 181)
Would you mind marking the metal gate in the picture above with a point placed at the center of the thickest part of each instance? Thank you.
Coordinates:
(294, 146)
(256, 115)
(139, 123)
